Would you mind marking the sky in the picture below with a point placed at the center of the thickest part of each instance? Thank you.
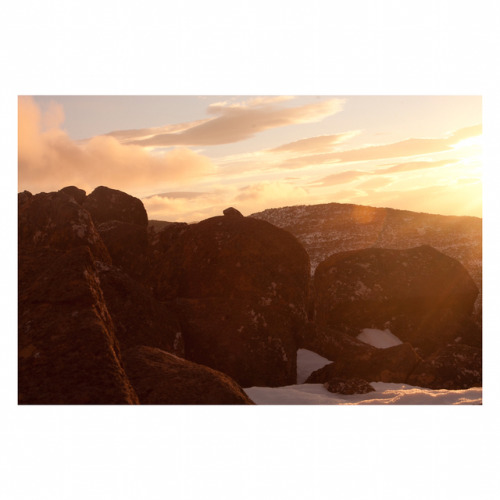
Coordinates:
(190, 157)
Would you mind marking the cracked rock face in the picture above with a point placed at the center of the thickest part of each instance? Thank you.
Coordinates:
(421, 295)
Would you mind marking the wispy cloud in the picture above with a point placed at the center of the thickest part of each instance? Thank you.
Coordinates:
(317, 144)
(234, 122)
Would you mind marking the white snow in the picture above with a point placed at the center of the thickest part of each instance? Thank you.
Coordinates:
(382, 339)
(308, 362)
(396, 394)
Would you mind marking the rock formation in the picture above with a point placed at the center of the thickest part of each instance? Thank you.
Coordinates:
(420, 295)
(162, 378)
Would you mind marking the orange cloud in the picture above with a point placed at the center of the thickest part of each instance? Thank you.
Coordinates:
(406, 148)
(314, 144)
(236, 122)
(49, 159)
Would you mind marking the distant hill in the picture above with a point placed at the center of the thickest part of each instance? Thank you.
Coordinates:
(336, 227)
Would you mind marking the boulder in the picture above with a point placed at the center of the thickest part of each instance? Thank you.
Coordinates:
(56, 221)
(241, 287)
(68, 351)
(127, 245)
(348, 386)
(159, 378)
(139, 318)
(253, 343)
(232, 212)
(453, 367)
(393, 364)
(105, 204)
(77, 194)
(421, 295)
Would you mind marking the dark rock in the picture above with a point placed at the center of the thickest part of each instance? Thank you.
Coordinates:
(232, 212)
(105, 204)
(421, 295)
(77, 194)
(393, 364)
(23, 197)
(68, 352)
(453, 367)
(162, 378)
(128, 246)
(233, 266)
(56, 221)
(251, 342)
(138, 317)
(348, 386)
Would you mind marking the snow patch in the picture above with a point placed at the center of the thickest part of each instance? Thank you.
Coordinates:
(308, 362)
(385, 393)
(381, 339)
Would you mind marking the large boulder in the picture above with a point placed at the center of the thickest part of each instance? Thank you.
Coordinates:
(127, 245)
(139, 318)
(249, 272)
(421, 295)
(252, 342)
(68, 351)
(105, 204)
(452, 367)
(159, 377)
(58, 222)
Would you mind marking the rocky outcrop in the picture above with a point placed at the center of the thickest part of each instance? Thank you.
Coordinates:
(421, 295)
(78, 195)
(252, 342)
(348, 386)
(139, 318)
(105, 204)
(453, 367)
(159, 377)
(393, 364)
(127, 245)
(68, 351)
(246, 282)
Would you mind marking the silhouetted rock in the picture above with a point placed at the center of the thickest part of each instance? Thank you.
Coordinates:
(128, 246)
(253, 343)
(77, 194)
(105, 204)
(232, 212)
(68, 352)
(420, 295)
(246, 270)
(56, 221)
(393, 364)
(162, 378)
(138, 317)
(348, 386)
(23, 197)
(452, 367)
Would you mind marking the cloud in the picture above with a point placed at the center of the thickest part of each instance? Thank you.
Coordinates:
(375, 182)
(314, 144)
(401, 149)
(49, 159)
(341, 178)
(234, 122)
(415, 165)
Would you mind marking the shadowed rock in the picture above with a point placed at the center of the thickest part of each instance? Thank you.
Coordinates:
(162, 378)
(420, 295)
(452, 367)
(348, 386)
(105, 204)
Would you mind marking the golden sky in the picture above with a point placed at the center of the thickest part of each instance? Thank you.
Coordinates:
(189, 157)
